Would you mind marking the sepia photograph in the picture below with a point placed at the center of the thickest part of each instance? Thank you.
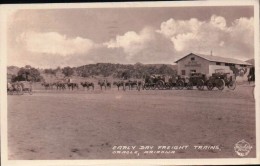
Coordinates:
(152, 82)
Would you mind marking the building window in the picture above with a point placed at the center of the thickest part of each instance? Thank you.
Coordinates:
(242, 65)
(192, 58)
(183, 72)
(218, 63)
(227, 64)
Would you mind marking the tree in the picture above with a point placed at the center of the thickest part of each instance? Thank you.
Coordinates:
(28, 66)
(126, 74)
(50, 71)
(28, 73)
(68, 71)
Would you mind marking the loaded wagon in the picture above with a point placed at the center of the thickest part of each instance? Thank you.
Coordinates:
(220, 79)
(162, 82)
(14, 88)
(153, 82)
(177, 82)
(19, 88)
(196, 79)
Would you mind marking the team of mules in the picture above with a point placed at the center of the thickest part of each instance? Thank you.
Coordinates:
(103, 84)
(128, 84)
(60, 85)
(72, 85)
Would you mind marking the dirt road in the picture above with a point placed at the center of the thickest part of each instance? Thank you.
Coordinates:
(89, 124)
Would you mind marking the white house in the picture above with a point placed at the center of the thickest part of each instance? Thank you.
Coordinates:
(207, 64)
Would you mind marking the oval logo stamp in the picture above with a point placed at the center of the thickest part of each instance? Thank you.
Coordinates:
(242, 148)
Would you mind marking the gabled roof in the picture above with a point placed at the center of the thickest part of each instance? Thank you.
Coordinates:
(251, 61)
(217, 59)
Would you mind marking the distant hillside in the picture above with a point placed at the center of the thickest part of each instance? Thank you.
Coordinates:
(137, 70)
(251, 61)
(12, 70)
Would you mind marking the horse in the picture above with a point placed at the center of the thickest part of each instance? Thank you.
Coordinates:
(104, 83)
(87, 85)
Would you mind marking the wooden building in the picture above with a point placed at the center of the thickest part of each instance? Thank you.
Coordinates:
(207, 64)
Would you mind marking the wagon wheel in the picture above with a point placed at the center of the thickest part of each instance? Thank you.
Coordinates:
(9, 92)
(176, 85)
(171, 85)
(146, 86)
(30, 91)
(189, 85)
(153, 86)
(167, 86)
(210, 85)
(180, 84)
(19, 90)
(220, 84)
(232, 85)
(200, 84)
(160, 85)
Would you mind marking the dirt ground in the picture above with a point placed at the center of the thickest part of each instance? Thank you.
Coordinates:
(89, 124)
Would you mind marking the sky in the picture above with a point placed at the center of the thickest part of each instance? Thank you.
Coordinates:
(48, 38)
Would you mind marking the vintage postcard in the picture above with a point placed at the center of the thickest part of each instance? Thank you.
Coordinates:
(138, 83)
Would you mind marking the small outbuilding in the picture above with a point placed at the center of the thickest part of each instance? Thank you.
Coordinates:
(207, 64)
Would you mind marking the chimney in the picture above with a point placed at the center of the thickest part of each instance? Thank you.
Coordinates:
(211, 53)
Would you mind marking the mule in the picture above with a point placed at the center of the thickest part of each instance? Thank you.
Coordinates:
(72, 86)
(119, 84)
(87, 85)
(135, 83)
(104, 83)
(47, 85)
(60, 85)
